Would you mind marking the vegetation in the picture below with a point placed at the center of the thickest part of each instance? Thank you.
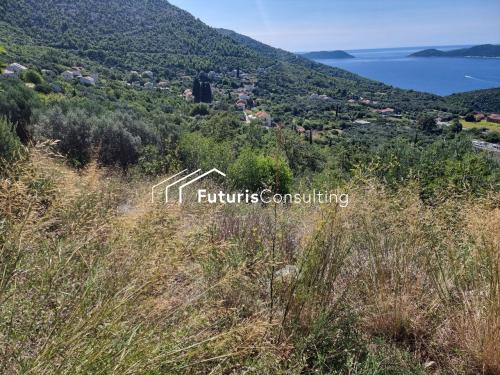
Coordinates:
(117, 285)
(94, 278)
(324, 55)
(485, 50)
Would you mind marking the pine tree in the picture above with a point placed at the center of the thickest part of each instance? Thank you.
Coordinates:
(197, 93)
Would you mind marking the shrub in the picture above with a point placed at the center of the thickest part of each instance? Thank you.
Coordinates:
(32, 76)
(117, 146)
(16, 104)
(9, 143)
(197, 151)
(199, 110)
(258, 172)
(73, 130)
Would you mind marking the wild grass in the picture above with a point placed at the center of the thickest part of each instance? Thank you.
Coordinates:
(97, 280)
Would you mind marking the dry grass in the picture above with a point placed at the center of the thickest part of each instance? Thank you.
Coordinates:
(96, 279)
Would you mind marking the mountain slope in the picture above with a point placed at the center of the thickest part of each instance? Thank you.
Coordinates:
(153, 34)
(485, 50)
(323, 55)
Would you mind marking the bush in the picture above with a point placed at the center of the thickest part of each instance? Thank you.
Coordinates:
(117, 146)
(199, 110)
(197, 151)
(73, 130)
(16, 104)
(32, 76)
(10, 146)
(258, 172)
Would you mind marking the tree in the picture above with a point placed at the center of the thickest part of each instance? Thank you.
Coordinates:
(73, 130)
(456, 126)
(469, 117)
(116, 145)
(206, 93)
(16, 104)
(197, 90)
(427, 124)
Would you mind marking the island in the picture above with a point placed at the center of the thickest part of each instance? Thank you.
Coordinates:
(484, 50)
(326, 55)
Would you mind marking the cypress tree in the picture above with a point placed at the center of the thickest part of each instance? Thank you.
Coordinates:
(197, 90)
(206, 92)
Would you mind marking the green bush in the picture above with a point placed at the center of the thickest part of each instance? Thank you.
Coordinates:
(199, 110)
(10, 146)
(117, 146)
(16, 104)
(73, 130)
(32, 76)
(257, 172)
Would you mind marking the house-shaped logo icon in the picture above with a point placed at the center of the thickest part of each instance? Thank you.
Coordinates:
(184, 180)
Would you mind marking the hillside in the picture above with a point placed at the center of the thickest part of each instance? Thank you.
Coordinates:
(481, 100)
(154, 35)
(485, 50)
(325, 55)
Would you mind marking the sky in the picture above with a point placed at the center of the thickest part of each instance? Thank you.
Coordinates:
(309, 25)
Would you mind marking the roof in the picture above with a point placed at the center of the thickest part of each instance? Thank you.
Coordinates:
(262, 114)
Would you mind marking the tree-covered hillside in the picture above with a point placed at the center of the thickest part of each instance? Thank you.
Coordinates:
(140, 34)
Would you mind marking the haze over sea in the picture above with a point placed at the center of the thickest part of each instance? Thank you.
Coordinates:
(437, 75)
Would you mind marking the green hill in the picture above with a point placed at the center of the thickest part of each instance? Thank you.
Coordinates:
(325, 55)
(485, 50)
(155, 35)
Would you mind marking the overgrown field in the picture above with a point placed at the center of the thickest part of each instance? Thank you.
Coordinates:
(95, 279)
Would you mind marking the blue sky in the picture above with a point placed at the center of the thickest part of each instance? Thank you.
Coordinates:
(302, 25)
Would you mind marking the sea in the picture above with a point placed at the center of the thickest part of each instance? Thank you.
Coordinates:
(437, 75)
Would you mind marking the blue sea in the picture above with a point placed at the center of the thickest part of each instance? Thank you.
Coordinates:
(437, 75)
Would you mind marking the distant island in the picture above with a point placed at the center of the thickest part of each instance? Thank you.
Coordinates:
(485, 50)
(324, 55)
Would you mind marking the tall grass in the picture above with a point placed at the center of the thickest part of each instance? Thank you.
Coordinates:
(96, 279)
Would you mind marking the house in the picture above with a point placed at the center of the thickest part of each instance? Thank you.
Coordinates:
(264, 117)
(480, 116)
(67, 75)
(48, 73)
(300, 129)
(162, 85)
(188, 95)
(362, 122)
(241, 104)
(149, 85)
(243, 96)
(494, 117)
(87, 81)
(16, 68)
(77, 73)
(9, 74)
(384, 111)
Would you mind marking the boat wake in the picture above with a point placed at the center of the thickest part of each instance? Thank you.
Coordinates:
(482, 80)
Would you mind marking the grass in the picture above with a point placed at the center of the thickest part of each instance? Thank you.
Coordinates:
(97, 280)
(493, 126)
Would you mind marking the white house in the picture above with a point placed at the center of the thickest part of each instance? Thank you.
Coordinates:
(67, 75)
(9, 74)
(16, 68)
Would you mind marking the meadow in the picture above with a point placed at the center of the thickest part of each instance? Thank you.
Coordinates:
(97, 279)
